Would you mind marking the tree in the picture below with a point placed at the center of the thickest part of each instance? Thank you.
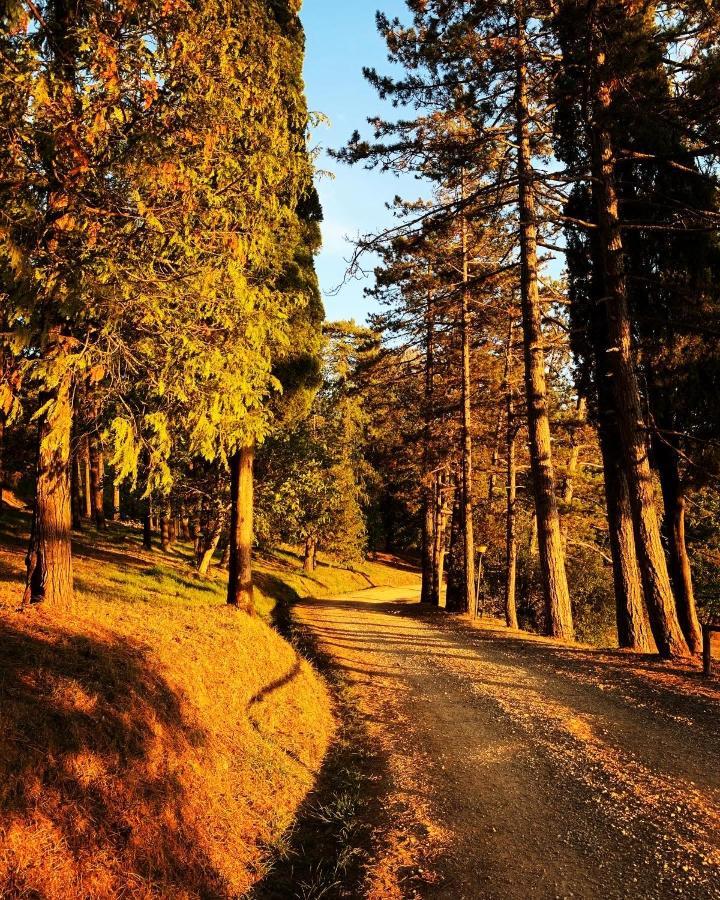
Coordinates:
(464, 65)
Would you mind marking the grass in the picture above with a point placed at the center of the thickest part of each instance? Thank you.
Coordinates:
(155, 743)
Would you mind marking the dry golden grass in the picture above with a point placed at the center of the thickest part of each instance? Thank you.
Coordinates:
(155, 744)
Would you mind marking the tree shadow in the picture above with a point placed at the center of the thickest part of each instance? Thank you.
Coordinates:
(345, 821)
(326, 851)
(90, 733)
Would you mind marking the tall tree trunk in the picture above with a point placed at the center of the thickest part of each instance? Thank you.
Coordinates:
(455, 599)
(77, 500)
(310, 554)
(429, 480)
(49, 559)
(97, 485)
(444, 504)
(511, 548)
(673, 528)
(240, 582)
(552, 557)
(633, 625)
(511, 537)
(632, 621)
(87, 481)
(469, 602)
(630, 417)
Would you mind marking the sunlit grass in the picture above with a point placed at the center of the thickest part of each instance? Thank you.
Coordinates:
(155, 742)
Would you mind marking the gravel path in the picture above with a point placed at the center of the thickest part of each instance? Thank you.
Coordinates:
(520, 768)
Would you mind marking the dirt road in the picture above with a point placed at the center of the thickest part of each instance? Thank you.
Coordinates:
(518, 768)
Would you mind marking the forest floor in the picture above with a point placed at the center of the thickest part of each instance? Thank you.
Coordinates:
(499, 765)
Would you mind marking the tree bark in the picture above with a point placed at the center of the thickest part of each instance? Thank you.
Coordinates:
(210, 542)
(445, 501)
(429, 480)
(673, 529)
(147, 526)
(49, 559)
(632, 621)
(97, 479)
(87, 485)
(184, 523)
(310, 551)
(428, 546)
(511, 548)
(165, 540)
(225, 558)
(116, 502)
(630, 417)
(240, 581)
(552, 557)
(455, 598)
(469, 603)
(75, 487)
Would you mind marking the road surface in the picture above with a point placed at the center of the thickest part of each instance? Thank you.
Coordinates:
(519, 768)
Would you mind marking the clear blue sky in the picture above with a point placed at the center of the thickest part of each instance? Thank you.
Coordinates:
(341, 39)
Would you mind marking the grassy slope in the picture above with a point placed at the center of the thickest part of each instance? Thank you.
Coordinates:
(156, 743)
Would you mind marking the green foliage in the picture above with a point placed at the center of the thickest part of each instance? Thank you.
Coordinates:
(157, 216)
(312, 479)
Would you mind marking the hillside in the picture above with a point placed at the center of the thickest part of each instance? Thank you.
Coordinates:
(157, 743)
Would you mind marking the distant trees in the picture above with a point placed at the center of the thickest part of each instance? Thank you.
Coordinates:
(587, 129)
(313, 477)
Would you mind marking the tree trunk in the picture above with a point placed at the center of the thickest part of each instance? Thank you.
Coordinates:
(240, 581)
(632, 621)
(309, 558)
(455, 598)
(97, 476)
(225, 558)
(674, 532)
(210, 543)
(116, 502)
(469, 603)
(511, 548)
(444, 503)
(147, 526)
(428, 547)
(87, 483)
(75, 487)
(429, 480)
(552, 557)
(49, 559)
(165, 531)
(630, 418)
(184, 523)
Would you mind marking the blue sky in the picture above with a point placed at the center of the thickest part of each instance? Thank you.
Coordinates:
(341, 39)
